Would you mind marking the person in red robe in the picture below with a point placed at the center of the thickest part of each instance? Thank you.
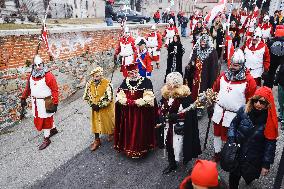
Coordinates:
(154, 45)
(41, 84)
(135, 115)
(125, 49)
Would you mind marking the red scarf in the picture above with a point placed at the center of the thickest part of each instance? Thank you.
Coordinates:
(271, 128)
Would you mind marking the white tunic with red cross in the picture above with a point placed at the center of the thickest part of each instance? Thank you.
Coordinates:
(230, 98)
(257, 58)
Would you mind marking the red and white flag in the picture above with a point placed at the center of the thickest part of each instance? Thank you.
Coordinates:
(214, 12)
(44, 36)
(230, 49)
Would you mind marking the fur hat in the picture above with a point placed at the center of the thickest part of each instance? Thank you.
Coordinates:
(174, 79)
(98, 71)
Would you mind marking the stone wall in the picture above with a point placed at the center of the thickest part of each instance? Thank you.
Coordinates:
(75, 53)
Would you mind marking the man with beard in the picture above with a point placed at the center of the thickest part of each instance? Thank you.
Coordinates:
(135, 115)
(99, 95)
(202, 69)
(257, 56)
(234, 87)
(126, 49)
(42, 87)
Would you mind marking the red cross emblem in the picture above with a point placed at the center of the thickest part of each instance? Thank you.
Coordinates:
(229, 89)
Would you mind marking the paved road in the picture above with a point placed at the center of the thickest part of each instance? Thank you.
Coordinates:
(68, 163)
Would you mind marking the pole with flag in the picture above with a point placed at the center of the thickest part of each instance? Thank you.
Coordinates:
(44, 33)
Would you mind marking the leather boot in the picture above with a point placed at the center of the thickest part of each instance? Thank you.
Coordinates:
(110, 138)
(96, 144)
(216, 158)
(53, 132)
(170, 168)
(46, 142)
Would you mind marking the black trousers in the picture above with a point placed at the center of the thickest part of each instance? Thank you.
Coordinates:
(275, 61)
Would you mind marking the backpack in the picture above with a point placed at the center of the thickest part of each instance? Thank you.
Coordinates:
(277, 48)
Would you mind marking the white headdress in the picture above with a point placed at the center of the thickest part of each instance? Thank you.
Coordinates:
(174, 79)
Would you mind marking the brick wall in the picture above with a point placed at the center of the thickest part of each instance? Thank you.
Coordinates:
(76, 52)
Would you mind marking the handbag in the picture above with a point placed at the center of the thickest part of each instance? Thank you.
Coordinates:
(179, 128)
(229, 157)
(230, 153)
(49, 106)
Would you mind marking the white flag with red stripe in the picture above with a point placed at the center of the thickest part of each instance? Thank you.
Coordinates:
(44, 36)
(230, 49)
(214, 12)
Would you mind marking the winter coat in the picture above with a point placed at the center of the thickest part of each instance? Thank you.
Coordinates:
(279, 79)
(178, 55)
(257, 152)
(109, 13)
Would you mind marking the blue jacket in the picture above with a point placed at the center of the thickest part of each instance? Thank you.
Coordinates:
(258, 151)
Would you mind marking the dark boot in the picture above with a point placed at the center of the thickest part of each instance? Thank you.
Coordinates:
(170, 168)
(46, 142)
(216, 158)
(53, 132)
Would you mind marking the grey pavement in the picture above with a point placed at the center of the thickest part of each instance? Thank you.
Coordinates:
(68, 163)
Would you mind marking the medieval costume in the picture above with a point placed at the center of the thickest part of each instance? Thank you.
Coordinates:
(175, 97)
(135, 115)
(43, 89)
(143, 59)
(99, 95)
(169, 33)
(154, 45)
(237, 84)
(175, 53)
(126, 49)
(202, 68)
(257, 56)
(266, 29)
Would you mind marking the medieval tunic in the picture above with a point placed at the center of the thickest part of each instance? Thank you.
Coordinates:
(143, 59)
(225, 108)
(257, 59)
(126, 49)
(169, 34)
(201, 74)
(135, 117)
(187, 146)
(154, 45)
(40, 88)
(102, 95)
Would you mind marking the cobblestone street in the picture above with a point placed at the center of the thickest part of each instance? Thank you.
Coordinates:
(68, 162)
